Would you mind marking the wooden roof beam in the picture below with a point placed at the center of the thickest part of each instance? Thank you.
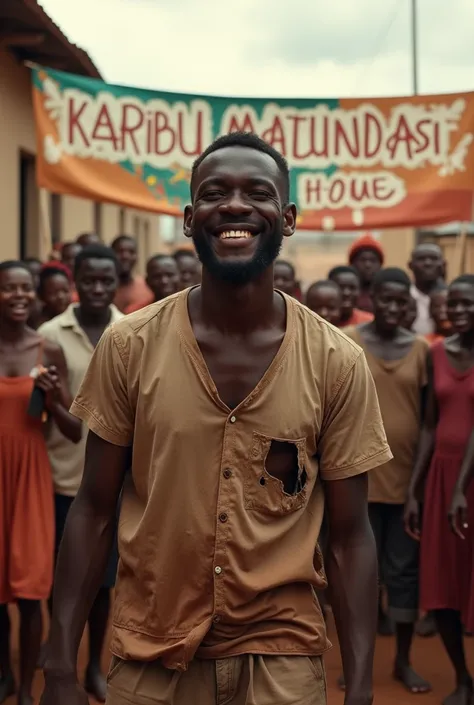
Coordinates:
(17, 40)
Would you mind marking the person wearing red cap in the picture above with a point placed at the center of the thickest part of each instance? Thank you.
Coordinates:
(367, 256)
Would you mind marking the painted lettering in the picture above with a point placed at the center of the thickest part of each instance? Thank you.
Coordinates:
(198, 148)
(73, 121)
(275, 135)
(118, 129)
(132, 120)
(104, 128)
(354, 190)
(315, 137)
(165, 137)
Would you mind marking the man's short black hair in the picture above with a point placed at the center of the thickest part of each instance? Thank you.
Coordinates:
(285, 263)
(95, 252)
(183, 252)
(251, 141)
(422, 245)
(323, 284)
(391, 275)
(463, 279)
(32, 260)
(343, 269)
(8, 264)
(159, 257)
(122, 238)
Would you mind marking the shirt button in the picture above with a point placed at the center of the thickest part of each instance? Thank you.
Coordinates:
(227, 473)
(217, 570)
(216, 619)
(223, 517)
(233, 419)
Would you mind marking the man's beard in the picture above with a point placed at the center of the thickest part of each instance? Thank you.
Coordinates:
(235, 272)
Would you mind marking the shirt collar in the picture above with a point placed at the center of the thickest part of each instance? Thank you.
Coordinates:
(68, 318)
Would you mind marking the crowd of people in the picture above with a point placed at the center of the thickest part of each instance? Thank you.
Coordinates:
(52, 316)
(418, 338)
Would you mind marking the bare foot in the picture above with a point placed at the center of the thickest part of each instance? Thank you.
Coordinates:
(414, 683)
(461, 696)
(96, 684)
(426, 626)
(7, 687)
(385, 625)
(341, 683)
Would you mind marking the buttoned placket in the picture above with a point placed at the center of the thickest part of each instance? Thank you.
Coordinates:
(223, 516)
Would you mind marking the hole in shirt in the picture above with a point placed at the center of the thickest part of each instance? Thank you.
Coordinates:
(283, 463)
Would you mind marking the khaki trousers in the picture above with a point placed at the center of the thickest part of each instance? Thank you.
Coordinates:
(238, 680)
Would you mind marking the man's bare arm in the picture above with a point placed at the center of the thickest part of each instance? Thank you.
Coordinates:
(84, 552)
(352, 576)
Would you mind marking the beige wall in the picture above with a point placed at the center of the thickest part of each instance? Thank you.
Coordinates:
(16, 134)
(313, 260)
(398, 245)
(77, 216)
(74, 215)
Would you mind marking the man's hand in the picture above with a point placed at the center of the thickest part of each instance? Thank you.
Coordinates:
(48, 381)
(412, 518)
(458, 513)
(63, 691)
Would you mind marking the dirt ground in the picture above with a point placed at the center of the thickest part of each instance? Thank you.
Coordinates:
(428, 658)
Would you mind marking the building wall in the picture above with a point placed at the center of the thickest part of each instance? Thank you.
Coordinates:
(398, 245)
(77, 216)
(44, 216)
(16, 135)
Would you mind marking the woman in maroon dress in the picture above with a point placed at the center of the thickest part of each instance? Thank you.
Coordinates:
(447, 561)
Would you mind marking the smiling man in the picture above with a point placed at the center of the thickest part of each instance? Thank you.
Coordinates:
(78, 331)
(222, 511)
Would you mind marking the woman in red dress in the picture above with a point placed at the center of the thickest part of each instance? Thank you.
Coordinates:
(447, 561)
(26, 488)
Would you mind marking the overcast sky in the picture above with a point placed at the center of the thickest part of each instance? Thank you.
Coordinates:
(302, 48)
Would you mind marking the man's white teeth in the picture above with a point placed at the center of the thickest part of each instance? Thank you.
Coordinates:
(235, 234)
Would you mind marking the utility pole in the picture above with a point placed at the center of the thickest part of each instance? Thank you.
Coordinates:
(414, 45)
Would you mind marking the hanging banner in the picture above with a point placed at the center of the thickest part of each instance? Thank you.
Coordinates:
(368, 163)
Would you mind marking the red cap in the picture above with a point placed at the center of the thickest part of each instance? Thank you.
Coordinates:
(366, 242)
(55, 264)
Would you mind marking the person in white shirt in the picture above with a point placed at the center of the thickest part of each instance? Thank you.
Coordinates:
(77, 331)
(427, 265)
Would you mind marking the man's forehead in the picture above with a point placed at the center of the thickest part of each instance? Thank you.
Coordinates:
(95, 265)
(427, 249)
(283, 267)
(236, 160)
(166, 262)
